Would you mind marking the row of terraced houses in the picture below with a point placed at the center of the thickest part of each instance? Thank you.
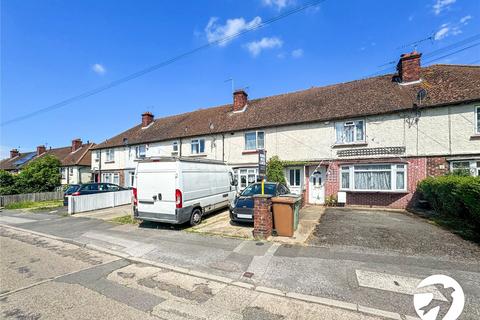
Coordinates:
(374, 138)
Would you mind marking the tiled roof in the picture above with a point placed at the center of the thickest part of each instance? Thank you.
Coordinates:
(17, 162)
(81, 157)
(446, 84)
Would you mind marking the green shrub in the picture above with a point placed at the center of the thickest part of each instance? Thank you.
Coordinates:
(453, 195)
(331, 201)
(275, 170)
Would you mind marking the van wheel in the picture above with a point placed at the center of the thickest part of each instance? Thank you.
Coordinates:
(196, 217)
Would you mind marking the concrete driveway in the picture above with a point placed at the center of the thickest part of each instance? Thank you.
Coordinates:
(389, 233)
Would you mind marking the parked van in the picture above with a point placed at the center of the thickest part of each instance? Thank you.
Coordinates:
(177, 190)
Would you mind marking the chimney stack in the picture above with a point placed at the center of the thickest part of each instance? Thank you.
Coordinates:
(76, 144)
(147, 118)
(41, 150)
(240, 99)
(409, 67)
(14, 153)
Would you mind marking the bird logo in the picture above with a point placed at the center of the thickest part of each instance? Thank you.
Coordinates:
(429, 309)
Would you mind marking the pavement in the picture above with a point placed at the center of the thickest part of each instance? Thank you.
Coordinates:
(107, 213)
(347, 271)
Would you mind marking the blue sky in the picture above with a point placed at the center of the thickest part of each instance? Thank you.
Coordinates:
(52, 50)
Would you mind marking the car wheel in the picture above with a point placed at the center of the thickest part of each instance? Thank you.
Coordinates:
(196, 217)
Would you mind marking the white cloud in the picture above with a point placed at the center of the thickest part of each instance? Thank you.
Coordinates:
(465, 19)
(441, 5)
(297, 53)
(256, 47)
(279, 4)
(442, 33)
(216, 32)
(99, 69)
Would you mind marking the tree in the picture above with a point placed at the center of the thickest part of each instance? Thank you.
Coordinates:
(40, 175)
(275, 170)
(7, 183)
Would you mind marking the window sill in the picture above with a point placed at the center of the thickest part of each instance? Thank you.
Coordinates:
(346, 145)
(106, 162)
(475, 137)
(375, 191)
(250, 152)
(198, 155)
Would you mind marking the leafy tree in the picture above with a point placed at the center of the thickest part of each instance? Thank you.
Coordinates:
(275, 170)
(40, 175)
(7, 183)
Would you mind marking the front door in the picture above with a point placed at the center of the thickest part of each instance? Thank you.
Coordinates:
(317, 186)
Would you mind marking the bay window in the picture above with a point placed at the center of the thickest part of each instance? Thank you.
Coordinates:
(374, 177)
(254, 140)
(350, 132)
(198, 146)
(246, 176)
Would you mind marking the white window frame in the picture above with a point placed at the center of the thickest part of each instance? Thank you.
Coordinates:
(175, 146)
(474, 166)
(97, 155)
(257, 145)
(246, 173)
(112, 177)
(63, 172)
(295, 185)
(138, 151)
(109, 155)
(477, 120)
(350, 123)
(394, 168)
(197, 144)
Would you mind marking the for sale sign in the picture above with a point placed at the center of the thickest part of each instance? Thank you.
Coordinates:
(262, 162)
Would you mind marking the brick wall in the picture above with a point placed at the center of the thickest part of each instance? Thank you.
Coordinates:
(262, 217)
(416, 171)
(437, 166)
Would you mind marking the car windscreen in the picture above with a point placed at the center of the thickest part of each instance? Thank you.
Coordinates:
(257, 189)
(72, 188)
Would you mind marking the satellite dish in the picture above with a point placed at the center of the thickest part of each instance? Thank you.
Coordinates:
(421, 95)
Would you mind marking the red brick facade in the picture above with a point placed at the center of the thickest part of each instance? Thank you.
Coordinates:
(418, 168)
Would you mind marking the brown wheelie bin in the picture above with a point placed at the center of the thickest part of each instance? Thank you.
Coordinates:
(283, 215)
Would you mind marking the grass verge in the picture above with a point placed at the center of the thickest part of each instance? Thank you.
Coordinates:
(128, 219)
(38, 205)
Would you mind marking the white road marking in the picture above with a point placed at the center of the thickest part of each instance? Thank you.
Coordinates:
(394, 283)
(14, 220)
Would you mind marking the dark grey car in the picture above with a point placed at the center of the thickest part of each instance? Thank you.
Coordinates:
(243, 204)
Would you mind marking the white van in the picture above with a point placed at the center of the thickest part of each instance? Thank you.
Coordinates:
(177, 190)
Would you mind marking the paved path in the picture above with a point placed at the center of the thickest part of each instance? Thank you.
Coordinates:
(344, 274)
(43, 278)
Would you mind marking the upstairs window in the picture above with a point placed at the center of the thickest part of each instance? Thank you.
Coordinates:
(350, 131)
(140, 151)
(477, 116)
(198, 146)
(97, 155)
(255, 140)
(374, 177)
(175, 146)
(110, 155)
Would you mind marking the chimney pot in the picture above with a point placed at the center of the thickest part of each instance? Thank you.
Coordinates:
(76, 144)
(41, 150)
(409, 66)
(14, 153)
(147, 118)
(240, 99)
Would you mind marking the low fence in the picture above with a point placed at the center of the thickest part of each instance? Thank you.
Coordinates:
(38, 196)
(97, 201)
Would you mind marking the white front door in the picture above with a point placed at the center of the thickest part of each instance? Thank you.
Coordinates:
(317, 186)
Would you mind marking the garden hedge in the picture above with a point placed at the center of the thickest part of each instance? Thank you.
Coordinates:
(453, 195)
